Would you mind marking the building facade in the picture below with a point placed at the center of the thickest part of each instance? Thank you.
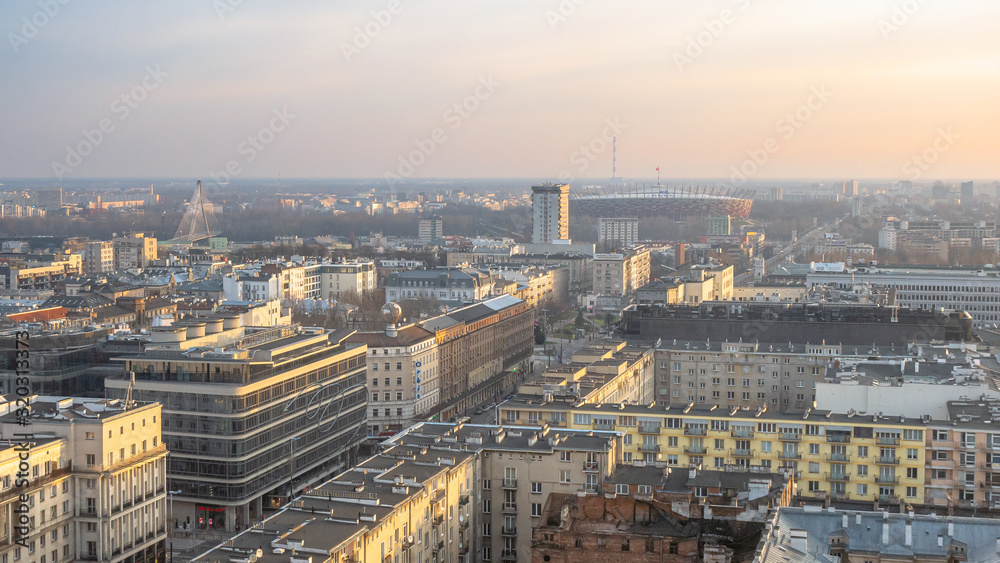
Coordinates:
(403, 376)
(835, 456)
(549, 213)
(135, 250)
(620, 274)
(621, 232)
(96, 487)
(99, 257)
(249, 414)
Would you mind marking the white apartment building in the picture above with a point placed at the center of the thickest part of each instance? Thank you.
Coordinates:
(96, 488)
(355, 276)
(549, 213)
(621, 231)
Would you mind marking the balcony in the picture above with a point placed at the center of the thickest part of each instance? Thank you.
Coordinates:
(510, 483)
(838, 476)
(696, 431)
(887, 460)
(990, 484)
(838, 439)
(510, 507)
(407, 544)
(439, 546)
(649, 447)
(840, 496)
(839, 458)
(511, 531)
(591, 466)
(649, 429)
(887, 441)
(742, 453)
(742, 434)
(888, 498)
(789, 455)
(790, 437)
(887, 479)
(604, 426)
(464, 525)
(695, 450)
(509, 555)
(438, 495)
(463, 500)
(437, 521)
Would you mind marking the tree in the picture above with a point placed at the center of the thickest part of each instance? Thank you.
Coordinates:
(580, 321)
(367, 313)
(539, 335)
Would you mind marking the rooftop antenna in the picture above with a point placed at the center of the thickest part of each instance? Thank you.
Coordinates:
(614, 157)
(657, 176)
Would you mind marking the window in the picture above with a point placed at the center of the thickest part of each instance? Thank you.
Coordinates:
(862, 471)
(862, 489)
(911, 491)
(564, 476)
(863, 451)
(813, 467)
(813, 449)
(720, 444)
(89, 435)
(536, 509)
(536, 488)
(486, 506)
(939, 435)
(564, 456)
(911, 472)
(621, 489)
(911, 453)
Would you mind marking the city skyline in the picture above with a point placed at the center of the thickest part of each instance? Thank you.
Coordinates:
(895, 90)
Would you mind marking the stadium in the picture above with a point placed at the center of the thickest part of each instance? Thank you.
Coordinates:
(662, 202)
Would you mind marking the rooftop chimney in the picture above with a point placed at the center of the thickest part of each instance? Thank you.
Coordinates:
(908, 540)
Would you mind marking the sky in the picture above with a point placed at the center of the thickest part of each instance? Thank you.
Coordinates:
(398, 89)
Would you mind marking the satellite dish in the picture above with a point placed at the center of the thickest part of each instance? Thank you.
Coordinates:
(259, 553)
(410, 539)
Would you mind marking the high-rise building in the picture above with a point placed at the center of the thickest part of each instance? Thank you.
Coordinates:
(777, 193)
(99, 257)
(620, 232)
(968, 194)
(250, 414)
(849, 188)
(94, 484)
(430, 230)
(719, 225)
(549, 213)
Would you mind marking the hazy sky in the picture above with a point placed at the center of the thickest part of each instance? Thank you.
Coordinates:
(690, 86)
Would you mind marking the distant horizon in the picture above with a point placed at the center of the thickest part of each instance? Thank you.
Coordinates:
(705, 90)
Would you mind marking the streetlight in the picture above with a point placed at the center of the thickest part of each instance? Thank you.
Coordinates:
(171, 541)
(291, 466)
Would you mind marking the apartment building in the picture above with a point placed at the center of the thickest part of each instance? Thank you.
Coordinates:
(430, 230)
(135, 250)
(549, 213)
(403, 376)
(336, 280)
(835, 456)
(537, 284)
(963, 455)
(606, 372)
(249, 414)
(99, 257)
(621, 273)
(437, 492)
(618, 231)
(96, 484)
(480, 342)
(743, 374)
(38, 276)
